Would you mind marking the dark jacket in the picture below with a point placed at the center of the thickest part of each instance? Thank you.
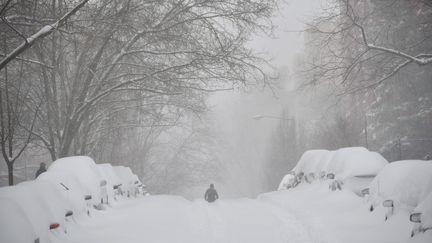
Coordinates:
(211, 195)
(40, 171)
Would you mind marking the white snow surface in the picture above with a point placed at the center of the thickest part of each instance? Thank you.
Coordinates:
(342, 216)
(344, 162)
(306, 213)
(17, 228)
(407, 183)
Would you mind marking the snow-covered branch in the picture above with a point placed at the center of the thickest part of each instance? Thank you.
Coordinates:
(44, 31)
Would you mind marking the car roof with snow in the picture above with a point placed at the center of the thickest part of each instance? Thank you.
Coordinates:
(344, 162)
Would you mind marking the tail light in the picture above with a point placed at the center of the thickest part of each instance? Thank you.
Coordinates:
(54, 226)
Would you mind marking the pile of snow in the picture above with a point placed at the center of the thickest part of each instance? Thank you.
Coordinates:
(408, 183)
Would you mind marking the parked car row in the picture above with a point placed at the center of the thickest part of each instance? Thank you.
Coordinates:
(400, 185)
(71, 188)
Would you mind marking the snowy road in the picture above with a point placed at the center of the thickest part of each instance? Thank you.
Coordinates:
(169, 219)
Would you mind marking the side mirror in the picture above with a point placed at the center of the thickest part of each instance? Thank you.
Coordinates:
(37, 240)
(136, 182)
(415, 217)
(68, 213)
(103, 183)
(388, 203)
(365, 192)
(115, 187)
(330, 176)
(87, 197)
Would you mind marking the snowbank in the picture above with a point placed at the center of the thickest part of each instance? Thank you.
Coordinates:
(407, 183)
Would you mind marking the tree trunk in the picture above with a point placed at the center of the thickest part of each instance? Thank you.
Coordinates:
(10, 174)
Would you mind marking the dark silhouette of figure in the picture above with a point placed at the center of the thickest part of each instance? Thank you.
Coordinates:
(42, 169)
(211, 194)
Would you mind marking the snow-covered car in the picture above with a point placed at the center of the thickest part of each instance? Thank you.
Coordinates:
(86, 173)
(40, 204)
(287, 181)
(407, 184)
(353, 168)
(109, 190)
(422, 216)
(130, 184)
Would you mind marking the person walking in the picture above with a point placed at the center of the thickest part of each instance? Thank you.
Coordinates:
(211, 194)
(42, 169)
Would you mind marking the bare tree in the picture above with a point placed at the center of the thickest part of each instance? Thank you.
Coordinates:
(17, 119)
(365, 43)
(175, 48)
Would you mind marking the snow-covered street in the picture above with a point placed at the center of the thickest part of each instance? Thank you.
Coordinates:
(310, 213)
(174, 219)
